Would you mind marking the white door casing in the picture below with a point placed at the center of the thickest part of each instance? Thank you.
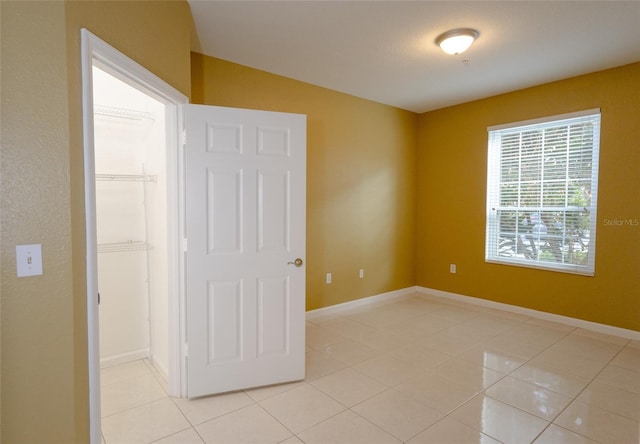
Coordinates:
(245, 226)
(97, 52)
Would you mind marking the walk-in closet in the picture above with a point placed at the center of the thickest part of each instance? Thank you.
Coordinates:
(131, 213)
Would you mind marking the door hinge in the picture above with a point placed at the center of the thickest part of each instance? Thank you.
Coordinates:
(184, 245)
(184, 137)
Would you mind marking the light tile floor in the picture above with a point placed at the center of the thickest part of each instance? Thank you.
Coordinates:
(416, 370)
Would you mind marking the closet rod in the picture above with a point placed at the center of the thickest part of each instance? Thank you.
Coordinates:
(118, 247)
(121, 113)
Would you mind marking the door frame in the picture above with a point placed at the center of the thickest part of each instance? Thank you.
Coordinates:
(95, 50)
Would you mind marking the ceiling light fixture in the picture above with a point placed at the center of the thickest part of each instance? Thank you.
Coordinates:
(456, 41)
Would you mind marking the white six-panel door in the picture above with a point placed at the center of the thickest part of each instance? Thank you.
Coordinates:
(245, 228)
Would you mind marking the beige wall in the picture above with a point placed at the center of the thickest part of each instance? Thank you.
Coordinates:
(361, 159)
(44, 359)
(451, 204)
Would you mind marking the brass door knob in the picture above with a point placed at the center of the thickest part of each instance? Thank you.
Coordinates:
(298, 262)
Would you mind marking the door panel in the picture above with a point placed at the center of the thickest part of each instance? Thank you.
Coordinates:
(273, 316)
(273, 211)
(245, 221)
(224, 302)
(224, 228)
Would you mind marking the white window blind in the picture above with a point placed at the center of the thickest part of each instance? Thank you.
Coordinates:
(542, 184)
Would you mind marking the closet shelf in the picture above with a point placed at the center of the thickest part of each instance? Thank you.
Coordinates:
(126, 177)
(121, 113)
(118, 247)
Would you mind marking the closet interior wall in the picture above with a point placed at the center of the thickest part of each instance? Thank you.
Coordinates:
(131, 215)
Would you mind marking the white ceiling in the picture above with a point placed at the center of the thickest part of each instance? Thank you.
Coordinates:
(384, 50)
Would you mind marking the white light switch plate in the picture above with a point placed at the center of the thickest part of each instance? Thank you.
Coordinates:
(29, 260)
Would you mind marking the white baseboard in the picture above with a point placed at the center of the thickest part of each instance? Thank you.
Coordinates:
(405, 292)
(161, 367)
(371, 300)
(110, 361)
(573, 322)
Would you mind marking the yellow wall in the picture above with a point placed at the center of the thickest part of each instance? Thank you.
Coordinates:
(44, 352)
(361, 160)
(361, 192)
(451, 200)
(0, 231)
(37, 312)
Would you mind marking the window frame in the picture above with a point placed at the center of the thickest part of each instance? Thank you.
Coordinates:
(493, 194)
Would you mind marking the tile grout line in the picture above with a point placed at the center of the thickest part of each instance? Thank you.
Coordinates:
(575, 397)
(483, 392)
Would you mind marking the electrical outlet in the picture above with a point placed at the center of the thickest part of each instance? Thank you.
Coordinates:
(328, 278)
(452, 268)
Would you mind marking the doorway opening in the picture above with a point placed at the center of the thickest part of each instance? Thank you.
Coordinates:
(134, 218)
(131, 223)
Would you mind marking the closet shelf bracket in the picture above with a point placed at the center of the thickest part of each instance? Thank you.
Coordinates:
(121, 113)
(127, 177)
(119, 247)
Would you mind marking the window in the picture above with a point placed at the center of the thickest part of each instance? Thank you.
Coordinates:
(542, 182)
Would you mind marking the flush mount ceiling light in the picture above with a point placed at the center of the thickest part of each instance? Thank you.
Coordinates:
(456, 41)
